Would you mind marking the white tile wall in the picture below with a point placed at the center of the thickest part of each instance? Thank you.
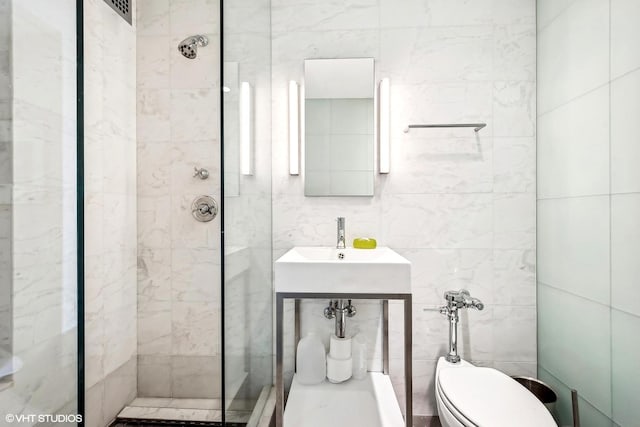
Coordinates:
(625, 149)
(573, 139)
(178, 258)
(6, 179)
(625, 247)
(573, 246)
(625, 370)
(110, 209)
(573, 53)
(624, 32)
(563, 347)
(460, 206)
(588, 206)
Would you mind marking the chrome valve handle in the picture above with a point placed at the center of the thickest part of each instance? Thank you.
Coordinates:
(351, 310)
(201, 173)
(204, 208)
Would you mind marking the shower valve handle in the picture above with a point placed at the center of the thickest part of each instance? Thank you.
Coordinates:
(201, 173)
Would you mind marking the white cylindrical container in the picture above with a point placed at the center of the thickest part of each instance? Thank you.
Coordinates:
(338, 370)
(359, 354)
(340, 348)
(311, 360)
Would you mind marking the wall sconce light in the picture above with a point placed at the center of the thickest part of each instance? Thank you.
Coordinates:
(246, 130)
(384, 134)
(294, 128)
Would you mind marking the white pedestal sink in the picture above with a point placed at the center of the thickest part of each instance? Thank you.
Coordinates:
(330, 270)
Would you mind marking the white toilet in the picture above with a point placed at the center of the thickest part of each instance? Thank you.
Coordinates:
(470, 396)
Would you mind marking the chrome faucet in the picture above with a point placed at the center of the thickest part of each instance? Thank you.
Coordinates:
(455, 301)
(342, 243)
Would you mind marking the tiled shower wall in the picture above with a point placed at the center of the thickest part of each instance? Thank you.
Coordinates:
(460, 206)
(110, 212)
(178, 257)
(6, 177)
(589, 207)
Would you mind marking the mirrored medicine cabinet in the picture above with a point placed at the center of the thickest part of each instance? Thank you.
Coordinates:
(339, 123)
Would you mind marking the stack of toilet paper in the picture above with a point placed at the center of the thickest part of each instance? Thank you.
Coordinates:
(339, 363)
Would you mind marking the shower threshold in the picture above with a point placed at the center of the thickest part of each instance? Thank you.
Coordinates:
(152, 412)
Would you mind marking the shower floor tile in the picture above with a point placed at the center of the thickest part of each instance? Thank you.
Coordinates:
(172, 414)
(162, 402)
(180, 410)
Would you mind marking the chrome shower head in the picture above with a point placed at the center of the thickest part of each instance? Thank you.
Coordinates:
(189, 46)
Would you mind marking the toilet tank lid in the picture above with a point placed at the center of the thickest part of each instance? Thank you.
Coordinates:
(488, 397)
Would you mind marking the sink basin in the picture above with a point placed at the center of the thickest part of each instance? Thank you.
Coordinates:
(320, 269)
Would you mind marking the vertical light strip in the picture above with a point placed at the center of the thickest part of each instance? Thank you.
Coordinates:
(246, 130)
(384, 132)
(294, 129)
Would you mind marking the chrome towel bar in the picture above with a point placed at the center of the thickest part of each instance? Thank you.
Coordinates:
(476, 126)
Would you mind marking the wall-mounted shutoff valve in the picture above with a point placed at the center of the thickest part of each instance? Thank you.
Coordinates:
(338, 310)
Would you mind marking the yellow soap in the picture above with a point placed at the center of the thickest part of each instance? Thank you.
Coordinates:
(364, 243)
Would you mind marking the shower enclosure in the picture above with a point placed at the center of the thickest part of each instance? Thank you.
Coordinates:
(204, 300)
(175, 310)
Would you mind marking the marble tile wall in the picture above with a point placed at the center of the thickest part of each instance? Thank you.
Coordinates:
(588, 206)
(38, 191)
(110, 212)
(6, 177)
(461, 207)
(177, 115)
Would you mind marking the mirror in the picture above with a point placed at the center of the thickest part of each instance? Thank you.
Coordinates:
(339, 127)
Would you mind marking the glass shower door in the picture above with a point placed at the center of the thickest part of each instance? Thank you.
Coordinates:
(246, 145)
(38, 198)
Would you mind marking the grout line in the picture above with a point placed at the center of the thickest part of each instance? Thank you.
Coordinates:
(623, 75)
(539, 30)
(535, 183)
(619, 193)
(575, 98)
(585, 196)
(564, 291)
(610, 235)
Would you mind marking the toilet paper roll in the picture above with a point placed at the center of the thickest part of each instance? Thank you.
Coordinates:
(338, 370)
(340, 348)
